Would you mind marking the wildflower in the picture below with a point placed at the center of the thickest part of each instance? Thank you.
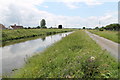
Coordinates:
(68, 76)
(92, 59)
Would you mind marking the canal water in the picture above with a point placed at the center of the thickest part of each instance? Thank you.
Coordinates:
(14, 56)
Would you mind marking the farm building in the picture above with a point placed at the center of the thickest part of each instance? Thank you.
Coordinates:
(16, 26)
(2, 26)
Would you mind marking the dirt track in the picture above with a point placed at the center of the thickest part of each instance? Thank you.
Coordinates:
(109, 45)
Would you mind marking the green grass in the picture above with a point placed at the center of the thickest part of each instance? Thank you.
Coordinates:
(111, 35)
(19, 35)
(75, 56)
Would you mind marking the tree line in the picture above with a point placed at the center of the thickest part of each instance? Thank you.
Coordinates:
(42, 25)
(111, 27)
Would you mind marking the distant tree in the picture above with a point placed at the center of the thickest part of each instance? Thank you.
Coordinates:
(96, 28)
(115, 27)
(101, 29)
(33, 28)
(29, 27)
(60, 26)
(43, 23)
(38, 27)
(51, 27)
(25, 27)
(83, 27)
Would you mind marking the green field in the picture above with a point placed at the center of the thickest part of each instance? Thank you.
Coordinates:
(111, 35)
(75, 56)
(19, 35)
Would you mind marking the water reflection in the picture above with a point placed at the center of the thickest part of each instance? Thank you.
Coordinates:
(13, 56)
(60, 34)
(43, 38)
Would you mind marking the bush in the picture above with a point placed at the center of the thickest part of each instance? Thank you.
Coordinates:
(101, 29)
(43, 27)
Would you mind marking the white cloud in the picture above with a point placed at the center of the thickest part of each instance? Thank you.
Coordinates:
(25, 12)
(45, 6)
(92, 2)
(77, 21)
(104, 20)
(82, 1)
(87, 2)
(71, 5)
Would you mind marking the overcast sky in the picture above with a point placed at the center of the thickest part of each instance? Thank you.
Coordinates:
(69, 13)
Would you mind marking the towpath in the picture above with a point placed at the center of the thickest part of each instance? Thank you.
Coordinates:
(110, 46)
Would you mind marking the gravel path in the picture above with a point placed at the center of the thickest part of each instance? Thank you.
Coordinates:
(109, 45)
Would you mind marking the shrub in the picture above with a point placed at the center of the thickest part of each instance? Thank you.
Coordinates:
(101, 29)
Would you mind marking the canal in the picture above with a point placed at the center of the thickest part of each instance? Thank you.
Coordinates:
(14, 56)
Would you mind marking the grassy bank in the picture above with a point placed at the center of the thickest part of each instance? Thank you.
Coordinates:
(75, 56)
(111, 35)
(15, 36)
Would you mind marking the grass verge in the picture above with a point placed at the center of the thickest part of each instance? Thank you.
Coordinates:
(111, 35)
(75, 56)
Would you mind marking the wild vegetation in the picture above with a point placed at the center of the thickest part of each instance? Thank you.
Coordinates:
(111, 35)
(13, 35)
(75, 56)
(115, 27)
(111, 27)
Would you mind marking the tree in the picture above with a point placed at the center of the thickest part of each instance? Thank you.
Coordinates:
(96, 28)
(38, 27)
(29, 27)
(60, 26)
(115, 27)
(83, 27)
(43, 23)
(101, 29)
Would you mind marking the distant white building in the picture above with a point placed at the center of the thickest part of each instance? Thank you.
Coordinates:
(15, 26)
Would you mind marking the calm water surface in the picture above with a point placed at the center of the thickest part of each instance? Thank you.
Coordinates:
(14, 56)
